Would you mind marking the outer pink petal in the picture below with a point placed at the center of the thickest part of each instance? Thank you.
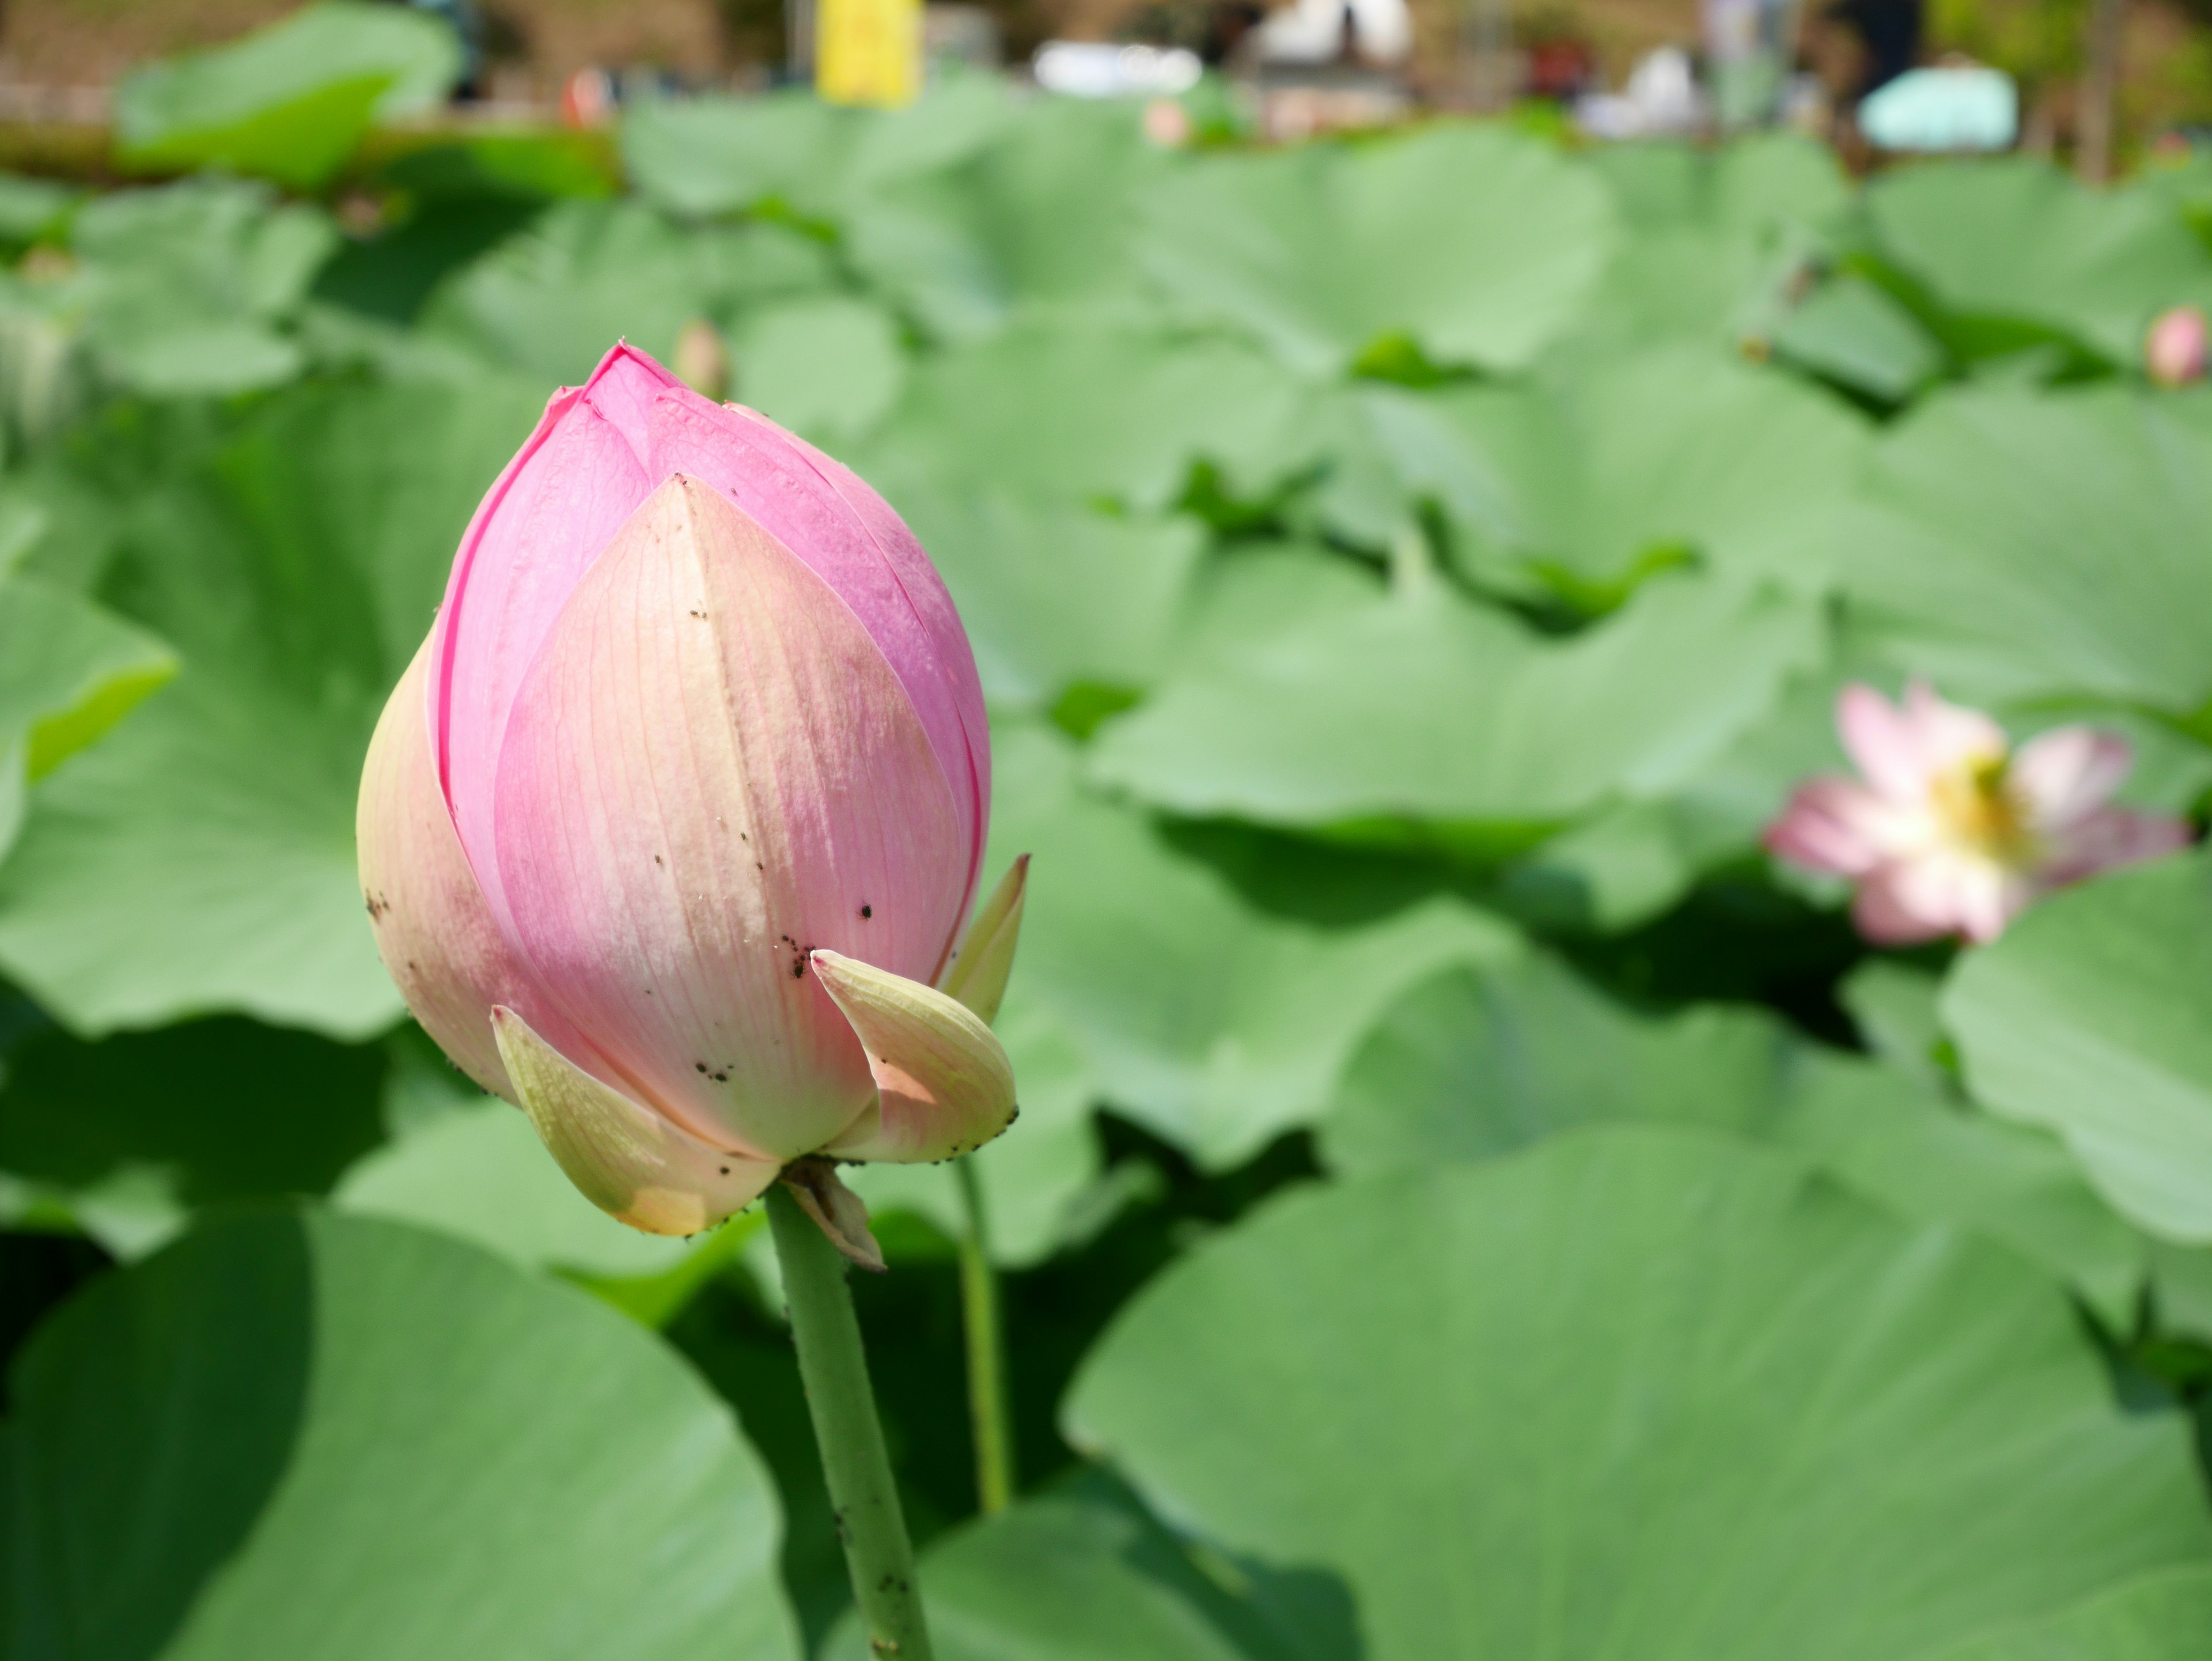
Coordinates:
(2112, 836)
(1887, 917)
(711, 770)
(1882, 742)
(1949, 891)
(432, 928)
(850, 537)
(2068, 773)
(1949, 735)
(534, 536)
(1835, 824)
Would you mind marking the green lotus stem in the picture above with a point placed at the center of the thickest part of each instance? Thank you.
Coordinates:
(854, 1462)
(988, 1409)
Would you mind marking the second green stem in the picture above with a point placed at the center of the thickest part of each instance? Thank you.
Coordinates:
(990, 1410)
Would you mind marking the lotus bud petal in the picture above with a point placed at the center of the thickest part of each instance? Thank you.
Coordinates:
(2175, 347)
(943, 1085)
(696, 732)
(978, 974)
(629, 1161)
(703, 359)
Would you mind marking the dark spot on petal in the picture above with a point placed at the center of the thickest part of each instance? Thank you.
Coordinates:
(702, 1066)
(867, 911)
(726, 1171)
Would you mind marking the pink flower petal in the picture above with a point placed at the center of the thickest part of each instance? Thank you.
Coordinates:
(2068, 773)
(534, 536)
(1953, 891)
(2108, 837)
(1949, 735)
(711, 770)
(1882, 742)
(853, 540)
(1886, 917)
(1833, 824)
(435, 934)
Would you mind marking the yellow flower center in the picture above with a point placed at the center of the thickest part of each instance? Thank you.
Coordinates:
(1978, 809)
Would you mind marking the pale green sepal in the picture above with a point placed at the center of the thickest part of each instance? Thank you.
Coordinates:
(637, 1166)
(944, 1085)
(977, 975)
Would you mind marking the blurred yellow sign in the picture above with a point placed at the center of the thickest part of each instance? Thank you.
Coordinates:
(868, 52)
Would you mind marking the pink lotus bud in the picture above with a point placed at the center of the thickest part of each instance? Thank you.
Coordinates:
(2175, 347)
(1949, 831)
(670, 830)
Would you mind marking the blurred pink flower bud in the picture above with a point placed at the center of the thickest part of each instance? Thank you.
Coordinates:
(669, 832)
(2175, 347)
(1167, 123)
(1951, 833)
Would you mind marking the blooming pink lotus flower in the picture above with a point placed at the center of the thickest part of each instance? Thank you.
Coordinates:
(669, 832)
(2175, 347)
(1950, 832)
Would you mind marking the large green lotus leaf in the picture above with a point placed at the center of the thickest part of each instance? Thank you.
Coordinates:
(198, 1114)
(1856, 333)
(1478, 1062)
(1477, 244)
(1217, 1024)
(1254, 590)
(1053, 595)
(1077, 410)
(1754, 183)
(342, 1439)
(290, 101)
(201, 857)
(1045, 216)
(2093, 1016)
(1474, 1063)
(2027, 545)
(31, 209)
(1422, 707)
(1893, 1139)
(1715, 241)
(708, 156)
(550, 301)
(790, 152)
(1082, 1574)
(1638, 1391)
(2161, 1617)
(69, 672)
(2017, 240)
(1586, 486)
(825, 365)
(481, 1174)
(190, 289)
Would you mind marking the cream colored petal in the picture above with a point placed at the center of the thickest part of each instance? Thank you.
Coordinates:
(636, 1165)
(977, 976)
(433, 930)
(944, 1085)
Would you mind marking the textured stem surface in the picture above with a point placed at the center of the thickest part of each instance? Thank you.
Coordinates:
(858, 1468)
(988, 1409)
